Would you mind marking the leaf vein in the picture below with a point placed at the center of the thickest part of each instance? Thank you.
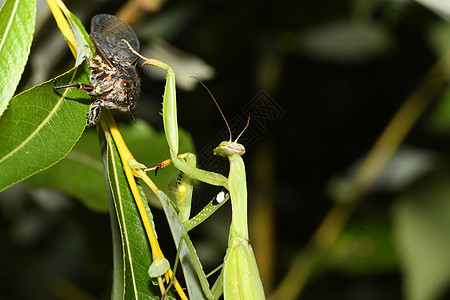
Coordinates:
(40, 126)
(10, 22)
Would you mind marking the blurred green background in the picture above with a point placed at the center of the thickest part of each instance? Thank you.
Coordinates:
(320, 81)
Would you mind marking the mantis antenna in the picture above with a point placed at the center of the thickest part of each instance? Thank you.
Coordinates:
(246, 126)
(223, 116)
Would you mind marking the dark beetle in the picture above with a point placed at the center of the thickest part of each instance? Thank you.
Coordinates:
(114, 79)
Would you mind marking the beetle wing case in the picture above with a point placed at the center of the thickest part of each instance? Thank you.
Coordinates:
(107, 32)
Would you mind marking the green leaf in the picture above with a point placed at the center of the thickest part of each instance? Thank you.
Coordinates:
(364, 247)
(185, 65)
(438, 120)
(80, 174)
(41, 126)
(81, 36)
(186, 260)
(440, 7)
(16, 33)
(132, 253)
(422, 220)
(343, 41)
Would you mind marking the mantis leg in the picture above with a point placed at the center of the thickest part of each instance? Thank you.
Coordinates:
(214, 293)
(183, 195)
(171, 130)
(240, 274)
(169, 112)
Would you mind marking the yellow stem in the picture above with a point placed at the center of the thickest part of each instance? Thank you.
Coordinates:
(57, 7)
(161, 285)
(60, 13)
(126, 156)
(108, 124)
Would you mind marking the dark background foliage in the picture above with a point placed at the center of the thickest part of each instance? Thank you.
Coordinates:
(331, 74)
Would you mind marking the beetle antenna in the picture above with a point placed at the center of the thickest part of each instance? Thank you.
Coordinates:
(132, 115)
(223, 116)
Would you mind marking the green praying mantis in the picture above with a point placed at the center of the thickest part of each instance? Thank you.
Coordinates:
(239, 278)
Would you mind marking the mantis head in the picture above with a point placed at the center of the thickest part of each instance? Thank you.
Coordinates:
(228, 148)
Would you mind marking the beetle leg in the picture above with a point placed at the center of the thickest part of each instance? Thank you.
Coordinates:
(93, 114)
(86, 87)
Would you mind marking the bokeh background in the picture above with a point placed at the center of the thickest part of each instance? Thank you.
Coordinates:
(320, 80)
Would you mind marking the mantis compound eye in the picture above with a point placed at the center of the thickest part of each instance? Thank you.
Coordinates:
(125, 84)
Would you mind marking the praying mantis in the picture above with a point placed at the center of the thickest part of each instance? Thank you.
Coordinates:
(239, 278)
